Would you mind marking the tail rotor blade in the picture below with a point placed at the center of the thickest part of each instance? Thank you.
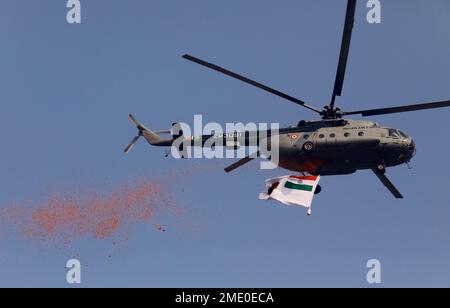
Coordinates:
(135, 122)
(132, 144)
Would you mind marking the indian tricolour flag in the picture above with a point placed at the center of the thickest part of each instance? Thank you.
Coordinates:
(292, 190)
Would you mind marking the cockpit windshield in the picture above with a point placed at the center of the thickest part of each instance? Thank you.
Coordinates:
(395, 133)
(403, 134)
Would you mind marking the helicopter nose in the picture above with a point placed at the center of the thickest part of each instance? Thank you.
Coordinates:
(412, 148)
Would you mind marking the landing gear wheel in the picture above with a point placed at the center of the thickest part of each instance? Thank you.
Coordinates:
(308, 147)
(318, 190)
(381, 169)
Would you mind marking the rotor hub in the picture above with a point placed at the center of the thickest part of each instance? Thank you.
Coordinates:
(329, 113)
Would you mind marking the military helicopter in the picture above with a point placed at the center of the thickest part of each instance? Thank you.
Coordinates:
(333, 145)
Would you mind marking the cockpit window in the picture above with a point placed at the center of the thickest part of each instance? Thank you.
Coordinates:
(403, 134)
(394, 133)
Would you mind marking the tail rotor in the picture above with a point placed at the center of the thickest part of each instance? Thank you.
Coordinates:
(152, 137)
(141, 129)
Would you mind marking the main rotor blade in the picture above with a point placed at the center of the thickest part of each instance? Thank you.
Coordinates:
(249, 81)
(345, 48)
(386, 182)
(407, 108)
(241, 162)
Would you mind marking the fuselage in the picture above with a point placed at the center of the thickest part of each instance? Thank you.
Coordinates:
(325, 147)
(343, 147)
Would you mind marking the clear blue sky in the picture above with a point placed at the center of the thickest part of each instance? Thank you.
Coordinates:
(66, 90)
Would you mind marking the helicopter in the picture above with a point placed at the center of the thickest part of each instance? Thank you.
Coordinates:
(333, 145)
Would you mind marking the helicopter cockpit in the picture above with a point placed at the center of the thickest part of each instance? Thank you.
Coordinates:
(411, 146)
(397, 134)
